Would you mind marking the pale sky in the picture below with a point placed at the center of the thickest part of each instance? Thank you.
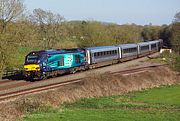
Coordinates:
(142, 12)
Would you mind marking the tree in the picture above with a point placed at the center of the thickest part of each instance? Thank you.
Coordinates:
(175, 38)
(176, 18)
(48, 24)
(151, 32)
(165, 34)
(10, 10)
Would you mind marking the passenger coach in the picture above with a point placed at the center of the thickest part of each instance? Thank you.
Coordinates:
(143, 49)
(128, 51)
(99, 56)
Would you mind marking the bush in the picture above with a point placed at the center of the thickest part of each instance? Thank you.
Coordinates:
(172, 59)
(176, 63)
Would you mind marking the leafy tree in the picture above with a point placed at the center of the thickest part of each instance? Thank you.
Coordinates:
(151, 32)
(10, 11)
(175, 38)
(165, 34)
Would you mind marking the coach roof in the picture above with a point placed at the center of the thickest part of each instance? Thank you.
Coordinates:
(123, 46)
(143, 43)
(102, 48)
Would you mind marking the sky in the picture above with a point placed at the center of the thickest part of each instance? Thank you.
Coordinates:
(140, 12)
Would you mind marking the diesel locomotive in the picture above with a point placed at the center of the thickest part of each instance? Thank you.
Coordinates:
(50, 63)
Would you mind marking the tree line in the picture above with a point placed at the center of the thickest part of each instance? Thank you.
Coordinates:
(21, 32)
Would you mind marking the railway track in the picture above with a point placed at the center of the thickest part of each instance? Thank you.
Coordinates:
(12, 94)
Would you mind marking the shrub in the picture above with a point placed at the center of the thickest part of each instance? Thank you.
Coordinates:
(172, 59)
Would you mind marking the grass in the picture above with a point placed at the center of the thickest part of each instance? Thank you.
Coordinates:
(169, 96)
(158, 60)
(158, 104)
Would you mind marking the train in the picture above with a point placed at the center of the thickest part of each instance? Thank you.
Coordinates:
(51, 63)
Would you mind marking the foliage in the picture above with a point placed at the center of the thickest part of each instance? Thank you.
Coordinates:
(176, 18)
(172, 59)
(151, 32)
(165, 35)
(153, 104)
(176, 37)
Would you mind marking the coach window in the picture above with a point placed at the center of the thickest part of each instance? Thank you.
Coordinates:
(108, 52)
(101, 53)
(125, 50)
(153, 45)
(136, 49)
(130, 50)
(95, 54)
(144, 48)
(115, 51)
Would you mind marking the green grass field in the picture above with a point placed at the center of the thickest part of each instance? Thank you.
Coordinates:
(158, 104)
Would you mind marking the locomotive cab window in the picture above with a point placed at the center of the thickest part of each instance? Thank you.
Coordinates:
(32, 59)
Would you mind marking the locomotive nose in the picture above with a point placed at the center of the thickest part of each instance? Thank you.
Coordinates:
(32, 67)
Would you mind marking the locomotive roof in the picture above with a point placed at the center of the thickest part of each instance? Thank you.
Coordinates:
(51, 52)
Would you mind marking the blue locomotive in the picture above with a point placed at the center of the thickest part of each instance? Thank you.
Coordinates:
(42, 64)
(46, 63)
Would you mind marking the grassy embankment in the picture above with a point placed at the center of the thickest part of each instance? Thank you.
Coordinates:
(158, 104)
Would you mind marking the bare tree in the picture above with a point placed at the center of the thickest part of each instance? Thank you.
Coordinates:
(10, 10)
(48, 23)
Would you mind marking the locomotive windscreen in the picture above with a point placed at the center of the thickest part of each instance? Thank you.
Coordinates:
(32, 59)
